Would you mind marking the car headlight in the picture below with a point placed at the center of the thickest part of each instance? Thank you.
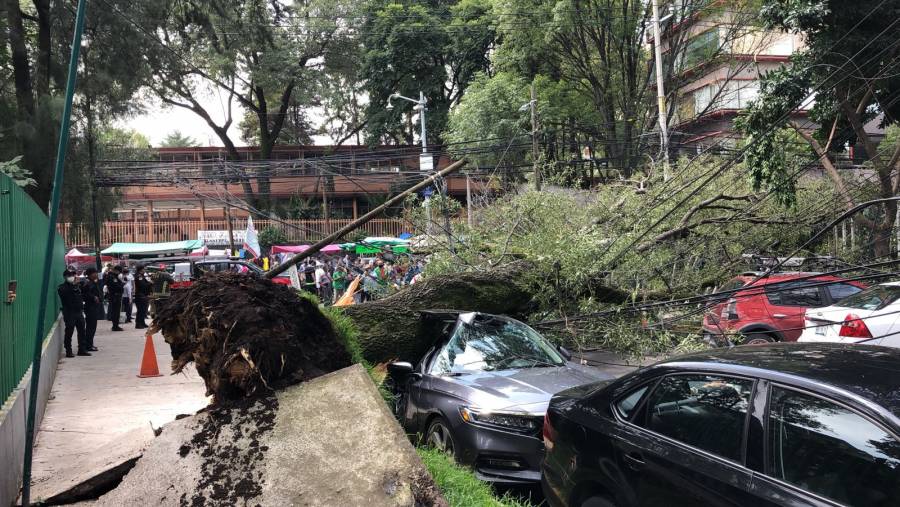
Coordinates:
(523, 423)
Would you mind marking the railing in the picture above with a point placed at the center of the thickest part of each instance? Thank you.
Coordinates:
(296, 231)
(23, 234)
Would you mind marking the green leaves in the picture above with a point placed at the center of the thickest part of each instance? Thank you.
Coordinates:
(19, 175)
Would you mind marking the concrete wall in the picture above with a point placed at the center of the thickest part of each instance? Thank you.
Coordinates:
(14, 413)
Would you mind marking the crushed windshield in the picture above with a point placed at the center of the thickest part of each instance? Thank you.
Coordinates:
(491, 343)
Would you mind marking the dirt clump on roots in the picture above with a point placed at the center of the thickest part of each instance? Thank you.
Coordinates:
(247, 336)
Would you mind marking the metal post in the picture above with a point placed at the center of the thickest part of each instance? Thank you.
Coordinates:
(48, 252)
(422, 121)
(93, 169)
(468, 200)
(534, 143)
(660, 90)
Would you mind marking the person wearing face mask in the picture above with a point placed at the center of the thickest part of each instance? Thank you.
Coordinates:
(73, 313)
(93, 305)
(143, 287)
(115, 287)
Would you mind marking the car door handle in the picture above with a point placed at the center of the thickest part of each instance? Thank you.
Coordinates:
(634, 460)
(779, 315)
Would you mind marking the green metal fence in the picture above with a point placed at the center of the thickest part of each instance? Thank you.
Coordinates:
(23, 233)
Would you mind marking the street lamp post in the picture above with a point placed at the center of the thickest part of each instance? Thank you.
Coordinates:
(426, 163)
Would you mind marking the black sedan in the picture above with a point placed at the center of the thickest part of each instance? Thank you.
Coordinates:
(481, 393)
(783, 424)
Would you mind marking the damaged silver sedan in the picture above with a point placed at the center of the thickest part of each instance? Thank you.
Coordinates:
(481, 392)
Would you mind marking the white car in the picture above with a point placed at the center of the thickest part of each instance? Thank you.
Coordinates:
(885, 341)
(871, 313)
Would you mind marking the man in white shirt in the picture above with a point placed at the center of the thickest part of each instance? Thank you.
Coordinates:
(127, 295)
(323, 282)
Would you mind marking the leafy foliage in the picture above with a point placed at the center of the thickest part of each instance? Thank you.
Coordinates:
(433, 47)
(176, 139)
(590, 247)
(271, 236)
(20, 176)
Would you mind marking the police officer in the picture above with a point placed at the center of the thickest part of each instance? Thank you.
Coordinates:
(73, 313)
(142, 290)
(93, 305)
(115, 287)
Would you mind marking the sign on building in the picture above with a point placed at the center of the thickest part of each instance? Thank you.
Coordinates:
(220, 238)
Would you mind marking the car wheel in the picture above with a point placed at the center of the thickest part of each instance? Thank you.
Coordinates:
(597, 501)
(439, 437)
(757, 339)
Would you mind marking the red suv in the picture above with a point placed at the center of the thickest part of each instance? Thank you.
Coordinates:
(772, 308)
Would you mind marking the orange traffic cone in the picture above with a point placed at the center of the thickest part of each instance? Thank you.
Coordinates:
(149, 367)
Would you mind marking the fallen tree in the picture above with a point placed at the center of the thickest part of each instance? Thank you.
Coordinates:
(389, 327)
(247, 336)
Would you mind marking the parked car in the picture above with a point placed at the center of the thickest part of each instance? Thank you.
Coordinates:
(779, 424)
(481, 391)
(772, 308)
(891, 340)
(868, 314)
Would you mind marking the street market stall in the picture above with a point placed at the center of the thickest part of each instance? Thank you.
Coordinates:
(138, 250)
(82, 260)
(376, 245)
(330, 249)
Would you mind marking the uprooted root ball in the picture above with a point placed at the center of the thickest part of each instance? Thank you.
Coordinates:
(247, 335)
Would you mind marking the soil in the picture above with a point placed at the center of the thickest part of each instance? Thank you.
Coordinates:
(247, 336)
(231, 471)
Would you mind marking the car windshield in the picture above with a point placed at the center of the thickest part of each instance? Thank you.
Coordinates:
(873, 298)
(489, 343)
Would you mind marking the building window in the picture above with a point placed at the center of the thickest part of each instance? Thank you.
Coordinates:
(701, 48)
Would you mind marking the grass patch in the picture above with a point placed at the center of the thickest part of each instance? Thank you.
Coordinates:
(460, 486)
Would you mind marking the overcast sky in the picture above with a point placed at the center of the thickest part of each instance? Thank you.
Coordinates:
(158, 121)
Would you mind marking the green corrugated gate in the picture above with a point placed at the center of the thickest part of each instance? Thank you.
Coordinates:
(23, 234)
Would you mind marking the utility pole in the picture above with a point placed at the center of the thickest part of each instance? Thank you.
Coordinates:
(660, 91)
(228, 218)
(469, 202)
(534, 143)
(93, 169)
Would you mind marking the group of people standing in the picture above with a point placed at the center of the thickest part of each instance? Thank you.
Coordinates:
(92, 297)
(329, 279)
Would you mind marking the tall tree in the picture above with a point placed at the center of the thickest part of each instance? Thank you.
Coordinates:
(263, 56)
(434, 47)
(175, 139)
(35, 51)
(851, 65)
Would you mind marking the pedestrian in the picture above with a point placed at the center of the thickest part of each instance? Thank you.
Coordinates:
(73, 313)
(143, 287)
(115, 287)
(339, 281)
(323, 283)
(127, 294)
(93, 305)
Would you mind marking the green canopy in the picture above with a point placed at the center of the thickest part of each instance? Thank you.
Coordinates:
(172, 247)
(374, 245)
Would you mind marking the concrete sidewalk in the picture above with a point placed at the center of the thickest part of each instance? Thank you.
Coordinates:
(96, 400)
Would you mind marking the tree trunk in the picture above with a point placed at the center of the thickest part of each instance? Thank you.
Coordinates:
(389, 327)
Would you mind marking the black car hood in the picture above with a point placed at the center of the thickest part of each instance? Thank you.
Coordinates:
(527, 390)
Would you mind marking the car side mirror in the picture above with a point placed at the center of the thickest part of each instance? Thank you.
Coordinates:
(565, 352)
(400, 369)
